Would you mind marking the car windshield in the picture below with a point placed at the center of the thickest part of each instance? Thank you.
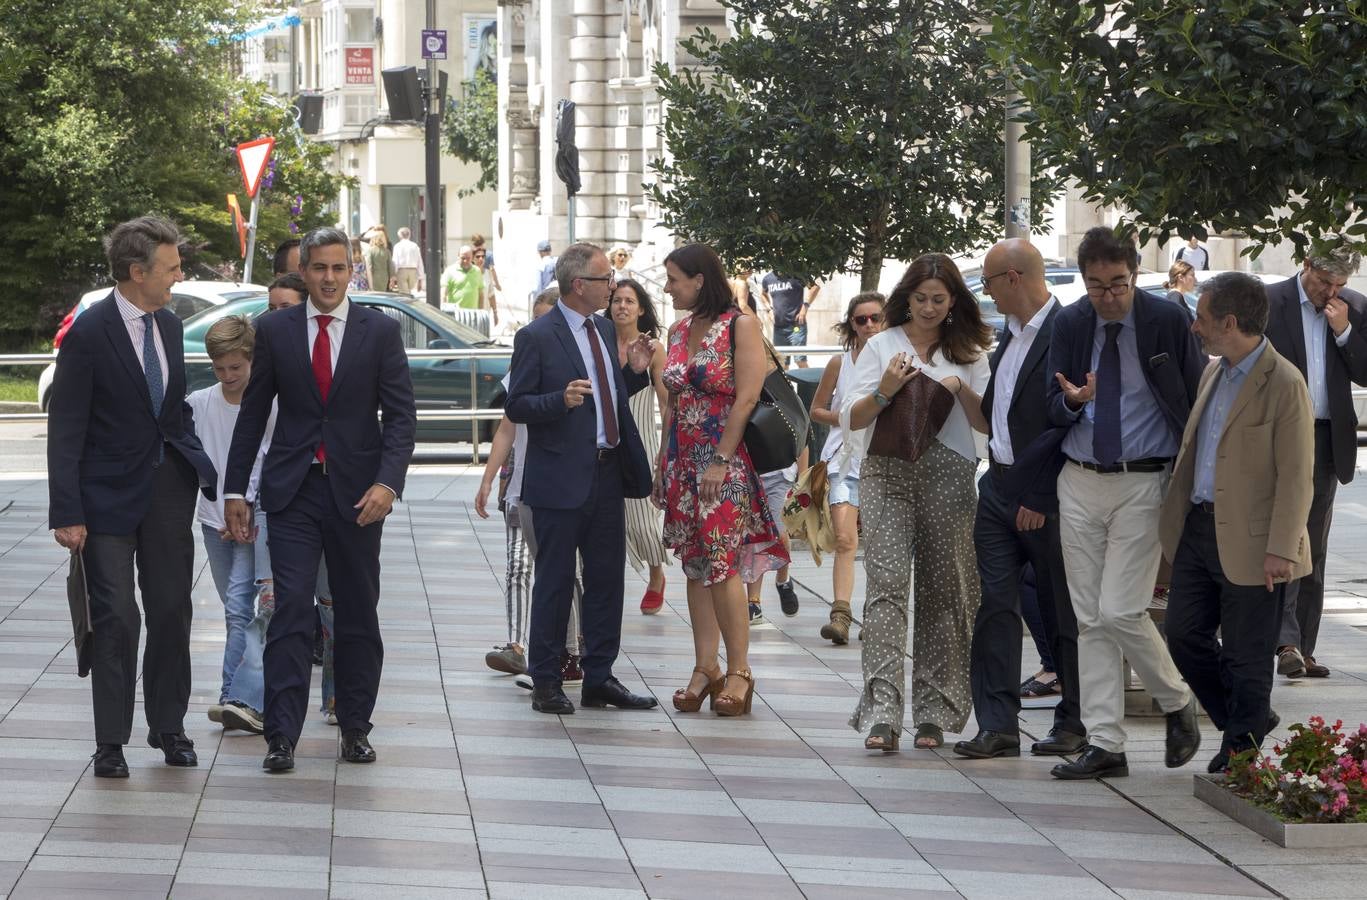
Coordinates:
(198, 325)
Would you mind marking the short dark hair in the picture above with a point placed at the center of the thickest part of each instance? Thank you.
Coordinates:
(1103, 245)
(290, 281)
(715, 298)
(136, 242)
(282, 253)
(1240, 295)
(574, 263)
(649, 323)
(321, 237)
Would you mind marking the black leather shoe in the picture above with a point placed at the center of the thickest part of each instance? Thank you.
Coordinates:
(613, 693)
(1093, 763)
(109, 761)
(550, 698)
(178, 749)
(279, 755)
(1184, 736)
(356, 747)
(989, 745)
(1059, 743)
(1219, 764)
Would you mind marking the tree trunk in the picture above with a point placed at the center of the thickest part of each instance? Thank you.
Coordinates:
(875, 237)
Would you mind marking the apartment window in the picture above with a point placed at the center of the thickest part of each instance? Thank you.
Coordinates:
(276, 49)
(360, 26)
(360, 108)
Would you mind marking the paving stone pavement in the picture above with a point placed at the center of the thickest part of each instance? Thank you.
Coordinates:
(476, 795)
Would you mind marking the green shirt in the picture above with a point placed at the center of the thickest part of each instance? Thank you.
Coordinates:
(463, 286)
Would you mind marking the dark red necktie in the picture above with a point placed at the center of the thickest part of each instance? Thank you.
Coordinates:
(322, 367)
(604, 386)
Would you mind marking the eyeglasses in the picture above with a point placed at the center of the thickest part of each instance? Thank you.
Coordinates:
(610, 278)
(988, 278)
(1115, 289)
(864, 320)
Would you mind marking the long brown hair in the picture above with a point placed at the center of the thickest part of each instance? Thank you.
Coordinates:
(715, 297)
(964, 336)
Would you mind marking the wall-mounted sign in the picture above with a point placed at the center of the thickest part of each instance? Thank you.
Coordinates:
(360, 65)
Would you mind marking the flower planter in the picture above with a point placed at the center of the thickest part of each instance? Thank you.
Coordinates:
(1210, 789)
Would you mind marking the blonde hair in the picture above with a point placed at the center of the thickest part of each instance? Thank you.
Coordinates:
(230, 334)
(379, 236)
(1179, 269)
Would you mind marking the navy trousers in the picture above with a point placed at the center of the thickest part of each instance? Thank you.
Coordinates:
(310, 527)
(597, 531)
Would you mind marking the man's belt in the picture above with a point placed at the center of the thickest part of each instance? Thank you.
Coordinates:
(1148, 464)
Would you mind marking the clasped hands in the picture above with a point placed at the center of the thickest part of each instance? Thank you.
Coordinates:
(376, 503)
(901, 369)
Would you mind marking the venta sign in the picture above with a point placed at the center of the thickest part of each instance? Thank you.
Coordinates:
(360, 65)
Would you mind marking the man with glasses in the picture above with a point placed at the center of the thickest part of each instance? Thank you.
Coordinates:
(1017, 520)
(1126, 374)
(584, 456)
(1319, 325)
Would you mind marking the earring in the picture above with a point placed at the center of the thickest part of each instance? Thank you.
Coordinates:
(949, 319)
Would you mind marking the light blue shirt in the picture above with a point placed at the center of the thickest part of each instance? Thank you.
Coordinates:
(1144, 432)
(1316, 329)
(581, 340)
(1212, 426)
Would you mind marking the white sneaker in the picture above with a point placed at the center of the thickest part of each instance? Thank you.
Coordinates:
(216, 712)
(523, 681)
(330, 717)
(242, 717)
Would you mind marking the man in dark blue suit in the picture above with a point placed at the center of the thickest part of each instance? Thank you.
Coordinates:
(123, 464)
(330, 477)
(584, 456)
(1126, 372)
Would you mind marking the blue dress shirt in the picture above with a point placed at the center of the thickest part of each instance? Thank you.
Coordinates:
(1144, 432)
(600, 396)
(1316, 329)
(1212, 426)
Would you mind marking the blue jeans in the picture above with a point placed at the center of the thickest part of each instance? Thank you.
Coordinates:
(233, 567)
(791, 336)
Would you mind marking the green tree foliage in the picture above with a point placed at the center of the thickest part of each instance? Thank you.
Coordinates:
(470, 131)
(829, 131)
(1240, 115)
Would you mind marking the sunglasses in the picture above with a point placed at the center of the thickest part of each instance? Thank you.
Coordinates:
(864, 320)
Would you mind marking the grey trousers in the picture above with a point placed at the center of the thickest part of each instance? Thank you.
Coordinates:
(163, 549)
(918, 515)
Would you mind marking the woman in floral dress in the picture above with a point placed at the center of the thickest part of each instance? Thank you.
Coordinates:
(716, 520)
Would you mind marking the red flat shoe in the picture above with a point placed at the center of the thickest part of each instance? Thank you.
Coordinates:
(652, 602)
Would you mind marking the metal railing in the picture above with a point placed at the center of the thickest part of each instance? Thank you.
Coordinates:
(473, 416)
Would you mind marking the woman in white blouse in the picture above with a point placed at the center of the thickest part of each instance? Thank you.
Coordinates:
(920, 513)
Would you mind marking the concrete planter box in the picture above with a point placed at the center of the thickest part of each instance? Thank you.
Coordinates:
(1210, 790)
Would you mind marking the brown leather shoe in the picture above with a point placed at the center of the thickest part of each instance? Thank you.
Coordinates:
(1314, 669)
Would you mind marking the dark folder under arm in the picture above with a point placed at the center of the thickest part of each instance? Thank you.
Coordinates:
(78, 598)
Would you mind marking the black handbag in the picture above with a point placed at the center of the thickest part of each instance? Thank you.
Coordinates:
(777, 429)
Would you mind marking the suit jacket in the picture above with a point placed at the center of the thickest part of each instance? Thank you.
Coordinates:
(1169, 354)
(371, 376)
(1263, 484)
(1033, 480)
(562, 443)
(1345, 366)
(103, 441)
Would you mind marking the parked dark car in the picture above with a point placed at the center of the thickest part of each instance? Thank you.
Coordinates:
(438, 384)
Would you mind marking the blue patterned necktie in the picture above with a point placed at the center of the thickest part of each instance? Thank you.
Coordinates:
(1106, 411)
(151, 366)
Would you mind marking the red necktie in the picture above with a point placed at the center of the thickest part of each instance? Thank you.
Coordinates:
(604, 386)
(322, 367)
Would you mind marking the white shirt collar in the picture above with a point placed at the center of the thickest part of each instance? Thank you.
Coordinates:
(1300, 289)
(340, 313)
(127, 309)
(572, 318)
(1036, 321)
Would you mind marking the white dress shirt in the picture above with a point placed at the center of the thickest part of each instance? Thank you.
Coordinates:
(1008, 372)
(136, 323)
(1316, 329)
(336, 328)
(407, 255)
(581, 339)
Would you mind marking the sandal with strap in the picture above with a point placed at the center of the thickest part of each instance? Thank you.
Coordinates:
(929, 737)
(882, 737)
(729, 704)
(686, 702)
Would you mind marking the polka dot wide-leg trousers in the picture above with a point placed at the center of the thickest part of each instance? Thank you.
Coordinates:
(918, 514)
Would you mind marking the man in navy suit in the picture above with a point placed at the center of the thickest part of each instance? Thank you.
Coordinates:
(584, 455)
(123, 464)
(330, 477)
(1126, 372)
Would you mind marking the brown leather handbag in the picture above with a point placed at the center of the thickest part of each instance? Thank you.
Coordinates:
(917, 413)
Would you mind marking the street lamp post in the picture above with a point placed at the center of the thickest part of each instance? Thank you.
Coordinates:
(1017, 171)
(431, 105)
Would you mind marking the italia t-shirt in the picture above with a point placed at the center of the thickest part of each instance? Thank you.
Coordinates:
(785, 293)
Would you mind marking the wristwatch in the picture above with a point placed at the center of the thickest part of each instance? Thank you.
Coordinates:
(881, 398)
(718, 457)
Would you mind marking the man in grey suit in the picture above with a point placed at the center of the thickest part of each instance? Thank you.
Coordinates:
(1321, 327)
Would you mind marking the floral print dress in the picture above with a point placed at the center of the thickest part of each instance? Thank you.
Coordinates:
(736, 535)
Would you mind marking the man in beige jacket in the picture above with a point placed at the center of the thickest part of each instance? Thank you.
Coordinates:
(1233, 522)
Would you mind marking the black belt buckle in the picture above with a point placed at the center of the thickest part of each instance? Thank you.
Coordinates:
(1205, 506)
(606, 453)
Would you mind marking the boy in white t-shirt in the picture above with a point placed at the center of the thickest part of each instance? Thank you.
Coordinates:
(235, 567)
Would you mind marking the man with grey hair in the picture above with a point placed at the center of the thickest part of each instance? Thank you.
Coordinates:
(123, 464)
(407, 255)
(1233, 521)
(1319, 325)
(336, 465)
(584, 456)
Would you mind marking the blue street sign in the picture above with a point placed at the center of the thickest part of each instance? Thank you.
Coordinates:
(433, 43)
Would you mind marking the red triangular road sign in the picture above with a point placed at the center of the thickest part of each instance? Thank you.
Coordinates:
(252, 157)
